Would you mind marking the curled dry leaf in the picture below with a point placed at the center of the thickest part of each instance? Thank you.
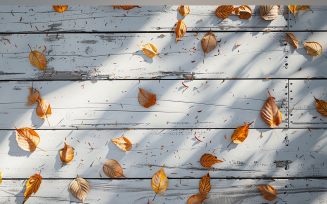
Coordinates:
(60, 8)
(37, 59)
(113, 169)
(321, 107)
(0, 177)
(268, 192)
(241, 133)
(207, 160)
(313, 48)
(291, 39)
(244, 12)
(208, 42)
(32, 185)
(66, 154)
(122, 143)
(79, 188)
(125, 7)
(27, 139)
(159, 182)
(184, 10)
(269, 12)
(149, 50)
(43, 109)
(146, 99)
(204, 186)
(270, 113)
(196, 199)
(180, 30)
(296, 8)
(224, 11)
(32, 97)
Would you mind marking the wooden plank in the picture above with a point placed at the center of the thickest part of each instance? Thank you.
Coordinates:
(114, 104)
(303, 108)
(310, 20)
(294, 153)
(140, 192)
(21, 19)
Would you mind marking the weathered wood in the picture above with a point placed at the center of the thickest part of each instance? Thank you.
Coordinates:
(20, 19)
(303, 109)
(178, 191)
(311, 19)
(114, 104)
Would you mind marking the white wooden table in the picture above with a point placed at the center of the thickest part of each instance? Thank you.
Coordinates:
(94, 69)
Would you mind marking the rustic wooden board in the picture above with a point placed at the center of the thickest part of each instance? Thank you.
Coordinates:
(294, 153)
(22, 19)
(303, 110)
(308, 20)
(178, 191)
(114, 104)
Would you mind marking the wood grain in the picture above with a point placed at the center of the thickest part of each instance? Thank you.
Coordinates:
(311, 20)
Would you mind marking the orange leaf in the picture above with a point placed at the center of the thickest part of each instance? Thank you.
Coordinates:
(208, 42)
(149, 50)
(270, 113)
(159, 182)
(32, 97)
(205, 186)
(241, 133)
(296, 8)
(32, 185)
(244, 12)
(196, 199)
(313, 48)
(180, 30)
(66, 154)
(184, 10)
(291, 39)
(112, 169)
(224, 11)
(268, 192)
(125, 7)
(146, 99)
(27, 139)
(37, 59)
(122, 143)
(269, 12)
(60, 8)
(43, 109)
(321, 107)
(207, 160)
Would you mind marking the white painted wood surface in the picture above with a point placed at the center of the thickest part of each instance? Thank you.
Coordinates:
(310, 20)
(21, 19)
(294, 153)
(102, 104)
(178, 191)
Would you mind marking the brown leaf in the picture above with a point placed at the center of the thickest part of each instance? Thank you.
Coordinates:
(196, 199)
(207, 160)
(32, 185)
(43, 109)
(291, 39)
(270, 113)
(184, 10)
(244, 12)
(268, 192)
(269, 12)
(159, 182)
(66, 154)
(112, 169)
(37, 59)
(27, 139)
(32, 97)
(125, 7)
(204, 186)
(224, 11)
(241, 133)
(122, 143)
(208, 42)
(149, 50)
(180, 30)
(313, 48)
(60, 8)
(321, 107)
(146, 99)
(79, 188)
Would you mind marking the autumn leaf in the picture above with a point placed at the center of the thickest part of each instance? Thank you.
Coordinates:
(79, 188)
(125, 7)
(184, 10)
(321, 107)
(27, 139)
(270, 113)
(207, 160)
(32, 97)
(0, 177)
(268, 192)
(244, 12)
(196, 199)
(241, 133)
(43, 109)
(269, 12)
(291, 39)
(159, 182)
(296, 8)
(146, 99)
(313, 48)
(224, 11)
(204, 186)
(122, 143)
(37, 59)
(208, 42)
(149, 50)
(32, 185)
(180, 30)
(60, 8)
(66, 154)
(112, 169)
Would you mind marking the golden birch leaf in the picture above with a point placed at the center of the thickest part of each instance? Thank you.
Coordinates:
(27, 139)
(241, 133)
(296, 8)
(244, 12)
(146, 99)
(207, 160)
(32, 97)
(79, 188)
(66, 154)
(291, 39)
(204, 185)
(321, 107)
(122, 143)
(184, 10)
(37, 59)
(270, 113)
(208, 42)
(269, 12)
(268, 192)
(113, 169)
(60, 8)
(180, 30)
(224, 11)
(196, 199)
(32, 185)
(159, 182)
(313, 48)
(149, 50)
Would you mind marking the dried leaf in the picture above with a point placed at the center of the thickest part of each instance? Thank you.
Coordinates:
(268, 192)
(241, 133)
(0, 177)
(149, 50)
(27, 139)
(112, 169)
(32, 185)
(291, 39)
(269, 12)
(66, 154)
(244, 12)
(180, 30)
(204, 186)
(146, 99)
(122, 143)
(224, 11)
(321, 107)
(313, 48)
(37, 59)
(296, 8)
(159, 182)
(60, 8)
(43, 109)
(196, 199)
(207, 160)
(79, 188)
(184, 10)
(32, 97)
(208, 42)
(270, 113)
(125, 7)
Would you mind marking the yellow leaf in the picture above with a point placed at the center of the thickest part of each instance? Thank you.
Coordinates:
(27, 139)
(66, 154)
(43, 109)
(180, 30)
(241, 133)
(32, 185)
(37, 59)
(149, 50)
(244, 12)
(184, 10)
(60, 8)
(0, 177)
(159, 182)
(122, 143)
